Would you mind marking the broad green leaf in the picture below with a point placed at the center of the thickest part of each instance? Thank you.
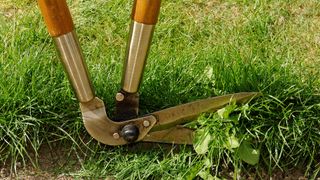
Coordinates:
(225, 112)
(202, 141)
(194, 170)
(232, 142)
(248, 154)
(205, 174)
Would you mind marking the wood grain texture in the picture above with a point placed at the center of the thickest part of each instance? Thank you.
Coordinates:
(56, 16)
(146, 11)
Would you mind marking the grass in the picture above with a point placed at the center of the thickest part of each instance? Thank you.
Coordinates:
(206, 48)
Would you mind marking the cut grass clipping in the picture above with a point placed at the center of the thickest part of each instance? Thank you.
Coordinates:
(201, 48)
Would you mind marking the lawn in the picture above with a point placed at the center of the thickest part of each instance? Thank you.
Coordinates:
(201, 48)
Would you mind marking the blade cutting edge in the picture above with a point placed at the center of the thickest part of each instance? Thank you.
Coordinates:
(184, 113)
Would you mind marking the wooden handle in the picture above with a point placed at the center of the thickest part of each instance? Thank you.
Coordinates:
(146, 11)
(56, 16)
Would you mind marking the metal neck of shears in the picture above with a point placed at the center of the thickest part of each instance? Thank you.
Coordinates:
(144, 18)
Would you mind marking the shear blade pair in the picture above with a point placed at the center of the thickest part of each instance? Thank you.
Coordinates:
(163, 126)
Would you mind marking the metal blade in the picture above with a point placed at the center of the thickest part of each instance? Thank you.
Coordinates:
(176, 135)
(181, 114)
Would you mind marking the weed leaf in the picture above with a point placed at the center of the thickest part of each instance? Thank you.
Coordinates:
(248, 154)
(225, 112)
(232, 142)
(202, 141)
(205, 174)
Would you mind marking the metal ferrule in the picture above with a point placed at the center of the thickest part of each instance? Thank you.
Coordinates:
(137, 52)
(74, 65)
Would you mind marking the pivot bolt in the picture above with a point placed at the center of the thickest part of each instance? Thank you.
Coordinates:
(119, 97)
(130, 132)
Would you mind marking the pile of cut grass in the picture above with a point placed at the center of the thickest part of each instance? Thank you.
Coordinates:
(207, 48)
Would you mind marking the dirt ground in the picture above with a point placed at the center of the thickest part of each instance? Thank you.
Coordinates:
(52, 162)
(30, 172)
(56, 162)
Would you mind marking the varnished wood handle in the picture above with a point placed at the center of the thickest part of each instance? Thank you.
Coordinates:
(56, 16)
(146, 11)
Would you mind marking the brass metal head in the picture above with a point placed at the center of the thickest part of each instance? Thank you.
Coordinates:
(106, 131)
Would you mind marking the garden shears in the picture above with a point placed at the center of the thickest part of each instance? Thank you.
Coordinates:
(164, 126)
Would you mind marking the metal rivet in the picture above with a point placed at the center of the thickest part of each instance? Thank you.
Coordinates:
(116, 135)
(119, 97)
(146, 123)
